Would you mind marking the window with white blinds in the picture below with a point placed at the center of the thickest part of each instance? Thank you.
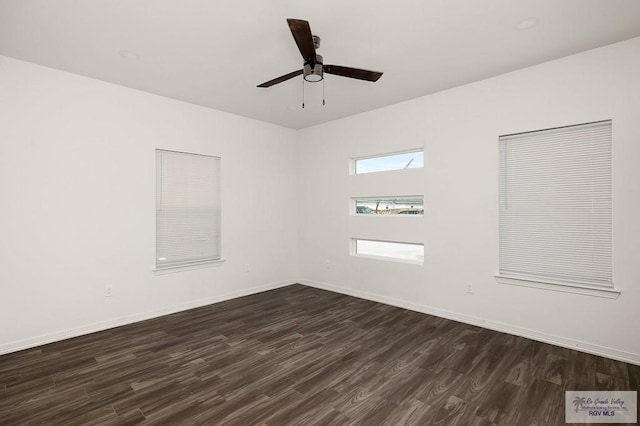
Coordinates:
(555, 205)
(187, 209)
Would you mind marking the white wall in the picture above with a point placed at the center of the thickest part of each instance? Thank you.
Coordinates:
(459, 131)
(77, 193)
(77, 179)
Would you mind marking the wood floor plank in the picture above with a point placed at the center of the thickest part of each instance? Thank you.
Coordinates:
(299, 355)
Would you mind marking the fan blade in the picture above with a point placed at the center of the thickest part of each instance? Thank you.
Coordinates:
(280, 79)
(352, 72)
(302, 35)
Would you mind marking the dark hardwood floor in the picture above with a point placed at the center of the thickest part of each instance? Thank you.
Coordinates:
(299, 356)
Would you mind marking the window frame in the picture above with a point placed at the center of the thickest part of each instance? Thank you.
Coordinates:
(353, 165)
(354, 251)
(556, 158)
(216, 214)
(353, 205)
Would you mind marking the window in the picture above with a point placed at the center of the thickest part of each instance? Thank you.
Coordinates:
(407, 252)
(397, 161)
(187, 209)
(555, 206)
(389, 205)
(404, 205)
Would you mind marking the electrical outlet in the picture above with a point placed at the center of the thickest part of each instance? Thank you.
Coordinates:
(247, 267)
(469, 288)
(108, 291)
(327, 264)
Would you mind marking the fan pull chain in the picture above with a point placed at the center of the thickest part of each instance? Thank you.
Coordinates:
(303, 93)
(323, 92)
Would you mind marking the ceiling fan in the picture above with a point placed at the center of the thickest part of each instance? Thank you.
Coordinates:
(313, 67)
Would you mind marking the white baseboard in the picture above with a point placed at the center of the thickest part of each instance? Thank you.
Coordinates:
(117, 322)
(561, 341)
(455, 316)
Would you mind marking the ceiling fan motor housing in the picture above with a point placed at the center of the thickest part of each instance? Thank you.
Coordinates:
(313, 71)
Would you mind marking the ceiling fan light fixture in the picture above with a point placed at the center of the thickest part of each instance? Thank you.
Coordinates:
(313, 74)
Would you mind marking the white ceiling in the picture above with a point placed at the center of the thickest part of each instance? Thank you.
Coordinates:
(214, 52)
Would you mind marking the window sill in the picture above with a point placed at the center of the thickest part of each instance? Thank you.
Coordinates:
(384, 215)
(584, 289)
(180, 268)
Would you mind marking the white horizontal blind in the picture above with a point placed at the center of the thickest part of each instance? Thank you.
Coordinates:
(555, 205)
(187, 208)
